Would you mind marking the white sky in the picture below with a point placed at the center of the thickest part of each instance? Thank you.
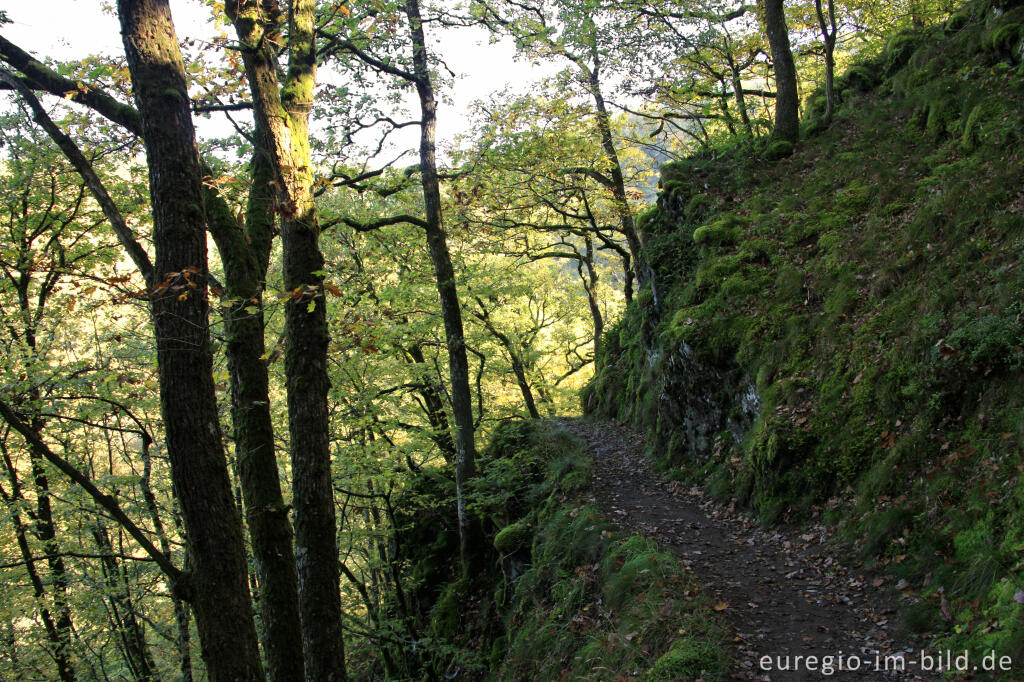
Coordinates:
(69, 29)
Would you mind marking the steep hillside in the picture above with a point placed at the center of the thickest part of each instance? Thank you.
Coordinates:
(841, 331)
(557, 590)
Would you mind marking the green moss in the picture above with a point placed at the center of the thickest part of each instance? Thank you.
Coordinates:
(714, 235)
(716, 271)
(943, 115)
(445, 616)
(778, 149)
(1007, 38)
(985, 343)
(699, 206)
(737, 287)
(722, 231)
(854, 197)
(690, 660)
(756, 251)
(842, 299)
(583, 572)
(900, 48)
(859, 78)
(830, 241)
(986, 124)
(873, 297)
(789, 283)
(512, 537)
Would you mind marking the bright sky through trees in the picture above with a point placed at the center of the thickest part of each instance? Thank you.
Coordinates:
(74, 29)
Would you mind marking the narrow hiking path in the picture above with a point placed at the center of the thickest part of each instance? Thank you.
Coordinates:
(783, 593)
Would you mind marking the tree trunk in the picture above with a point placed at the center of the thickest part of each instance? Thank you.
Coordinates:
(45, 530)
(282, 115)
(217, 584)
(641, 268)
(590, 286)
(518, 368)
(787, 100)
(181, 610)
(60, 641)
(736, 81)
(828, 36)
(47, 534)
(444, 273)
(133, 638)
(245, 257)
(432, 393)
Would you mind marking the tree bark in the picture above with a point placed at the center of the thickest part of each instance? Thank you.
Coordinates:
(60, 641)
(736, 81)
(282, 114)
(444, 273)
(217, 584)
(45, 530)
(787, 100)
(518, 368)
(590, 281)
(123, 611)
(245, 257)
(828, 36)
(641, 268)
(431, 393)
(181, 609)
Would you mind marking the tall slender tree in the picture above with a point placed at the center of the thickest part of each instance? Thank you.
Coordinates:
(281, 109)
(217, 584)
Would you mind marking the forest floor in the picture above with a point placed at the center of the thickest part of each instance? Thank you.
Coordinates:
(783, 592)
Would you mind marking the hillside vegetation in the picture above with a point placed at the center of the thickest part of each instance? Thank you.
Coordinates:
(557, 592)
(841, 330)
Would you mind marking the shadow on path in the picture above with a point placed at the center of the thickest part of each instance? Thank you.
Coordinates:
(783, 593)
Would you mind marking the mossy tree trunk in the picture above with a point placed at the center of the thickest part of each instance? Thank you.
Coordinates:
(217, 584)
(787, 99)
(245, 256)
(282, 114)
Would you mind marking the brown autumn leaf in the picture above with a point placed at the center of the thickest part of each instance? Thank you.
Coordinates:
(720, 606)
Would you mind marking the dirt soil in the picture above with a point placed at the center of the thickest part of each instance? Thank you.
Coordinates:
(784, 592)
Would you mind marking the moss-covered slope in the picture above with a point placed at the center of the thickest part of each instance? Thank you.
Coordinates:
(558, 593)
(843, 329)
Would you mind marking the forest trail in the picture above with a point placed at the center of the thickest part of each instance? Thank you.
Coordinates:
(783, 592)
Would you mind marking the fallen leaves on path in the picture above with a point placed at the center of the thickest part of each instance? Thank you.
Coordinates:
(784, 593)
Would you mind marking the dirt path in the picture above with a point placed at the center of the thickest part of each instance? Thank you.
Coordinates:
(783, 593)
